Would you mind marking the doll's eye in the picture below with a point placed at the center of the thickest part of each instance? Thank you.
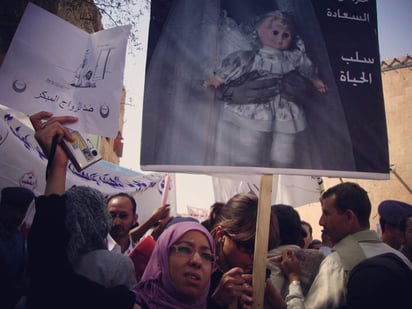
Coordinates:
(286, 35)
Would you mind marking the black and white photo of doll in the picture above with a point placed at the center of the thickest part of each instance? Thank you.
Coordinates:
(267, 122)
(252, 87)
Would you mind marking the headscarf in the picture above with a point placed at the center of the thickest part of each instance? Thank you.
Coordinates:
(87, 221)
(156, 289)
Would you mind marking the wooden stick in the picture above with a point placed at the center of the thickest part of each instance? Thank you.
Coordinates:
(262, 240)
(165, 190)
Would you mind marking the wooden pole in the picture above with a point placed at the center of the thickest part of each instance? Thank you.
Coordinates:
(262, 240)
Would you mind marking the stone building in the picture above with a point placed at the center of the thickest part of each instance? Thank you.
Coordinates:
(397, 89)
(81, 13)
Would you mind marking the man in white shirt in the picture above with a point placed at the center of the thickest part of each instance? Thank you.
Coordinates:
(125, 232)
(122, 208)
(345, 219)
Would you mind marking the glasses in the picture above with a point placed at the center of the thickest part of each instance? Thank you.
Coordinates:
(189, 252)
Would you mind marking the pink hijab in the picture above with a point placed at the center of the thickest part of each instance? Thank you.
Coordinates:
(156, 289)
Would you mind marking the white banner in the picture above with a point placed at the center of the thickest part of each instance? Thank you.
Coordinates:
(24, 164)
(287, 189)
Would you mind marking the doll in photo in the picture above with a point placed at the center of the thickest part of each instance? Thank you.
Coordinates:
(282, 63)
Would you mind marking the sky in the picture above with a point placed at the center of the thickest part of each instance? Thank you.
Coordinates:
(394, 28)
(395, 40)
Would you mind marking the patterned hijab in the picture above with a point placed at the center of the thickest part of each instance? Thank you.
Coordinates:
(156, 289)
(87, 221)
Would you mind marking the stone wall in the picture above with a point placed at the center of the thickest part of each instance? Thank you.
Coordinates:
(397, 89)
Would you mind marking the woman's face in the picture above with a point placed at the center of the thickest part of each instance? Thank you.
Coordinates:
(191, 264)
(233, 255)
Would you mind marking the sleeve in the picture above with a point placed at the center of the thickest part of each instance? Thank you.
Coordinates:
(295, 299)
(327, 289)
(235, 65)
(53, 283)
(305, 66)
(47, 238)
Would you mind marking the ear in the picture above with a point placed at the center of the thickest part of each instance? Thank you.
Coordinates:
(219, 233)
(135, 217)
(351, 218)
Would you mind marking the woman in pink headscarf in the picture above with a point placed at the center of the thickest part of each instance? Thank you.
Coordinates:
(179, 270)
(177, 275)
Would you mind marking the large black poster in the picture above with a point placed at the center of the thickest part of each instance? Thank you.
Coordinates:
(279, 87)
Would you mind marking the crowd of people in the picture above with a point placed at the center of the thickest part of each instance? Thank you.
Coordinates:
(81, 249)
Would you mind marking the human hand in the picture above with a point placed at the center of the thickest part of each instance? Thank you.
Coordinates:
(42, 119)
(215, 82)
(272, 298)
(320, 85)
(231, 286)
(161, 214)
(290, 265)
(46, 128)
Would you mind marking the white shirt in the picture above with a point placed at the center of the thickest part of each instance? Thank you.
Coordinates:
(112, 245)
(329, 287)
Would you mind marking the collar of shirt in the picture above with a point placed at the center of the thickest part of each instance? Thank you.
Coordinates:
(112, 245)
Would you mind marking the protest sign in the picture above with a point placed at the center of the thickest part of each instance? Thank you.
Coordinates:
(51, 65)
(220, 97)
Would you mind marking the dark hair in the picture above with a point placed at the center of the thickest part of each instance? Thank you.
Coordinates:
(349, 195)
(238, 221)
(289, 225)
(214, 212)
(283, 17)
(402, 224)
(126, 195)
(314, 243)
(302, 222)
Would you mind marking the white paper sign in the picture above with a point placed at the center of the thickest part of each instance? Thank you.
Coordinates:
(54, 66)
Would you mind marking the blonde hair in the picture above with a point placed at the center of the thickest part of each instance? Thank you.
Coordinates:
(276, 16)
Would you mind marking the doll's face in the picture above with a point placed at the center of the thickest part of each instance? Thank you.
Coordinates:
(275, 33)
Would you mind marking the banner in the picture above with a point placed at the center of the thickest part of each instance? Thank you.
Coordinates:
(286, 189)
(282, 87)
(24, 164)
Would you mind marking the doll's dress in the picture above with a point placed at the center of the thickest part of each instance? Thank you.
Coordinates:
(280, 113)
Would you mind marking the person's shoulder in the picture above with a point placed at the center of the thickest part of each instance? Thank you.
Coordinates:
(332, 261)
(381, 281)
(387, 268)
(241, 54)
(385, 261)
(294, 53)
(108, 258)
(117, 257)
